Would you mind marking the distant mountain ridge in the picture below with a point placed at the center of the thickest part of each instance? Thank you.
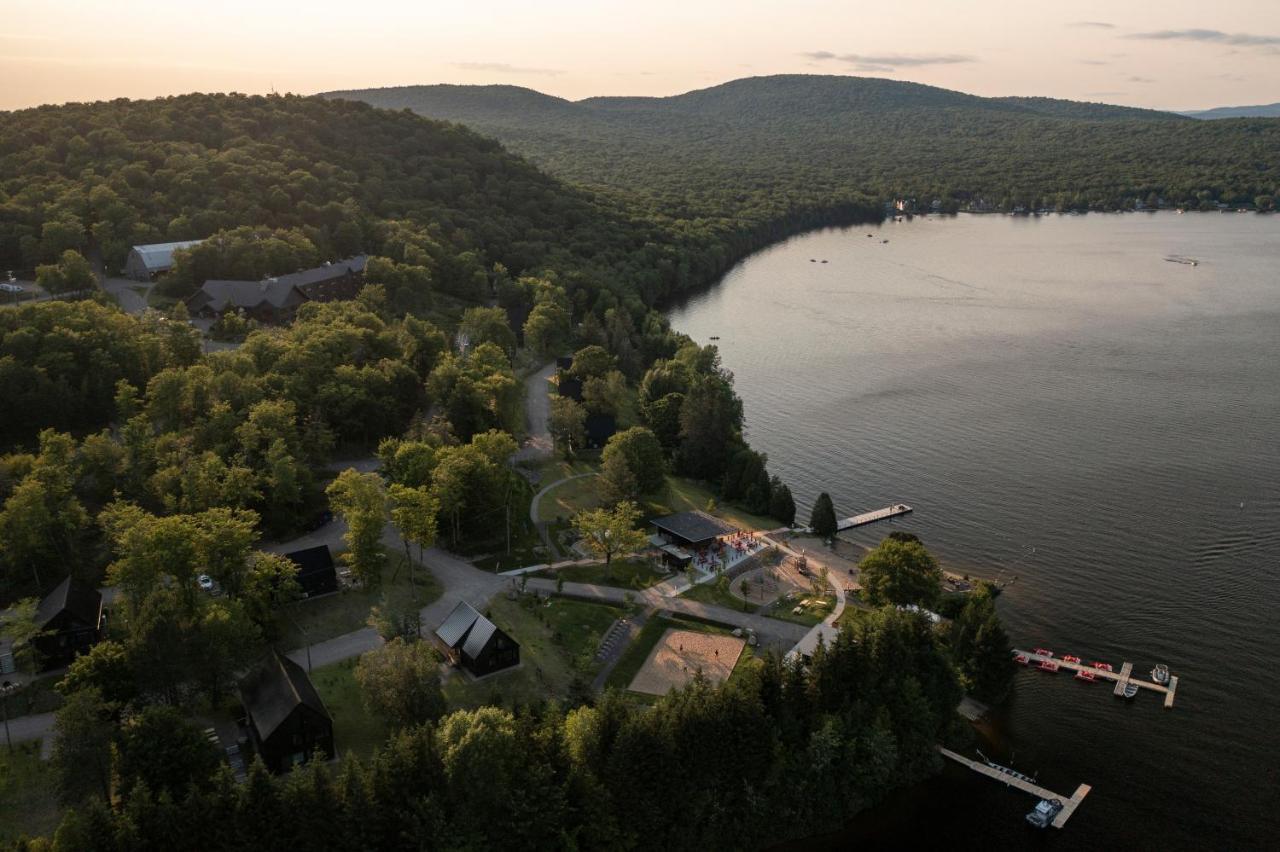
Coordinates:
(801, 140)
(1258, 111)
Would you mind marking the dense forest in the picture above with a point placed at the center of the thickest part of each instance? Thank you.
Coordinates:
(131, 456)
(766, 143)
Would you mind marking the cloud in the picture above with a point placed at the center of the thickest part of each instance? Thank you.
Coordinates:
(887, 62)
(1209, 37)
(504, 68)
(1092, 25)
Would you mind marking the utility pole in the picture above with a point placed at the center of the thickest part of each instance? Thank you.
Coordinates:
(6, 689)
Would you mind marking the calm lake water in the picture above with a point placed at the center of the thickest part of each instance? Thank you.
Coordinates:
(1067, 410)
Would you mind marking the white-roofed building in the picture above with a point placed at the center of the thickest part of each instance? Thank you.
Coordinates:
(146, 262)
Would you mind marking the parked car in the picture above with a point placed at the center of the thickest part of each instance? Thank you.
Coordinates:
(206, 582)
(10, 287)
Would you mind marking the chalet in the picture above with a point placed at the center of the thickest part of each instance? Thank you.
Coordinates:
(144, 263)
(71, 618)
(680, 535)
(286, 719)
(316, 574)
(276, 300)
(599, 428)
(475, 643)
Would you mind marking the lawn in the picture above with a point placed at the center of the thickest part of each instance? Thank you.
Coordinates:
(355, 730)
(711, 593)
(558, 642)
(634, 657)
(683, 495)
(819, 609)
(347, 610)
(622, 574)
(569, 498)
(28, 799)
(38, 696)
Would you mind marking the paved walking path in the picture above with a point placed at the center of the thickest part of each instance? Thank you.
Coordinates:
(826, 630)
(537, 411)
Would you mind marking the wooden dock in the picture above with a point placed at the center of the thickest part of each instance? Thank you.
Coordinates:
(894, 511)
(1122, 678)
(1069, 805)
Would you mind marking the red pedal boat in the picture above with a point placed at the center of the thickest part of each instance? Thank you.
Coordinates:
(1048, 666)
(1069, 658)
(1105, 667)
(1022, 658)
(1044, 652)
(1085, 675)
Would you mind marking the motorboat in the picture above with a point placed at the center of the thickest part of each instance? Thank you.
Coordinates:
(1044, 652)
(1042, 814)
(1103, 667)
(1086, 675)
(1023, 659)
(1048, 666)
(1160, 674)
(1070, 658)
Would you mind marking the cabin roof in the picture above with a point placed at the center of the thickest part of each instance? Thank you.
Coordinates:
(693, 527)
(81, 600)
(273, 690)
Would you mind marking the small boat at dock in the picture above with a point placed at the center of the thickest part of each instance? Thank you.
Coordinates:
(1103, 667)
(1044, 652)
(1086, 676)
(1160, 674)
(1048, 666)
(1070, 658)
(1023, 659)
(1130, 690)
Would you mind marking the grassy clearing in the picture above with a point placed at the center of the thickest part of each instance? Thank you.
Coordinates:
(38, 696)
(818, 609)
(323, 618)
(711, 593)
(558, 642)
(28, 797)
(683, 495)
(569, 498)
(355, 730)
(854, 612)
(622, 574)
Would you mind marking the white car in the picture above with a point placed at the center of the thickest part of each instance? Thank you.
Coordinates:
(10, 287)
(206, 582)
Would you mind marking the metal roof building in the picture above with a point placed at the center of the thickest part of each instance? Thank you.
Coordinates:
(691, 529)
(146, 262)
(476, 643)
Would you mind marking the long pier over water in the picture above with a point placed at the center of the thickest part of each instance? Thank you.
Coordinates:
(871, 517)
(1021, 782)
(1122, 678)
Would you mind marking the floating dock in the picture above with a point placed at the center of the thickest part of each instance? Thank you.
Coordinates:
(884, 514)
(1122, 678)
(1022, 783)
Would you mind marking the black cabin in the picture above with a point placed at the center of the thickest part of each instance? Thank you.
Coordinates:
(570, 387)
(316, 573)
(71, 616)
(287, 721)
(475, 643)
(599, 429)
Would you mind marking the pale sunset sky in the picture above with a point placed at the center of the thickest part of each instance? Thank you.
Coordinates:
(1174, 54)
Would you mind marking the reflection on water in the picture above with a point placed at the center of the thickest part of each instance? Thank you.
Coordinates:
(1068, 411)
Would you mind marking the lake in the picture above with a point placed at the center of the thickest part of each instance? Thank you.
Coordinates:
(1072, 413)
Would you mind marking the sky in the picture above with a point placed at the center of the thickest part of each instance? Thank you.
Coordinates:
(1169, 54)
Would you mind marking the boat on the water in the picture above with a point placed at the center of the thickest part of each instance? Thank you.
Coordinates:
(1070, 658)
(1086, 675)
(1130, 690)
(1042, 814)
(1160, 674)
(1048, 666)
(1022, 658)
(1044, 652)
(1103, 667)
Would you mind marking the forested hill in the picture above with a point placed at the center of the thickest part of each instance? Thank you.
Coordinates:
(805, 136)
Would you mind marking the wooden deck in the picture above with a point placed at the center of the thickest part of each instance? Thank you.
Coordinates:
(1069, 805)
(894, 511)
(1121, 678)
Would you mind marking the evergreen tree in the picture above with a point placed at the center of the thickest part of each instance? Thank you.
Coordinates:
(822, 518)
